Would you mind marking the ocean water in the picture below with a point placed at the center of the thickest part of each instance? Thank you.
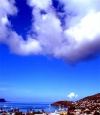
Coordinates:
(27, 106)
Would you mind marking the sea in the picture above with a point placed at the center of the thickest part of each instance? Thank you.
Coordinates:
(24, 107)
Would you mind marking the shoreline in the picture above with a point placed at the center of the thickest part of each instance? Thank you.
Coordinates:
(63, 111)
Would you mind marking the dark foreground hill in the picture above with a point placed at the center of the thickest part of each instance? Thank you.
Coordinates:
(90, 102)
(94, 98)
(63, 103)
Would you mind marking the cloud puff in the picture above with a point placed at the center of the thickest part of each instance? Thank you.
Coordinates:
(23, 47)
(15, 42)
(6, 8)
(72, 35)
(72, 95)
(78, 38)
(44, 4)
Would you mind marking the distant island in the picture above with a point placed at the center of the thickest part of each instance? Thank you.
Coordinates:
(2, 100)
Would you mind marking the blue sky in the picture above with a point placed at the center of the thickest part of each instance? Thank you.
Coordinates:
(44, 78)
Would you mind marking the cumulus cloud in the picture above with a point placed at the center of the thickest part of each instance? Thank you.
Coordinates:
(72, 95)
(6, 8)
(78, 38)
(44, 4)
(72, 34)
(15, 42)
(23, 47)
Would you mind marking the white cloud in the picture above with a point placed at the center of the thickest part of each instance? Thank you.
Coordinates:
(4, 20)
(72, 95)
(6, 8)
(78, 39)
(44, 4)
(15, 42)
(23, 47)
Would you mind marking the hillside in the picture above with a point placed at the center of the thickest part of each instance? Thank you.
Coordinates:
(63, 103)
(90, 102)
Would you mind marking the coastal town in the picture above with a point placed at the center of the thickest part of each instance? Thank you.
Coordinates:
(87, 106)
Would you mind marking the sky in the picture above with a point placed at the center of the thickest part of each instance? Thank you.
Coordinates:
(49, 50)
